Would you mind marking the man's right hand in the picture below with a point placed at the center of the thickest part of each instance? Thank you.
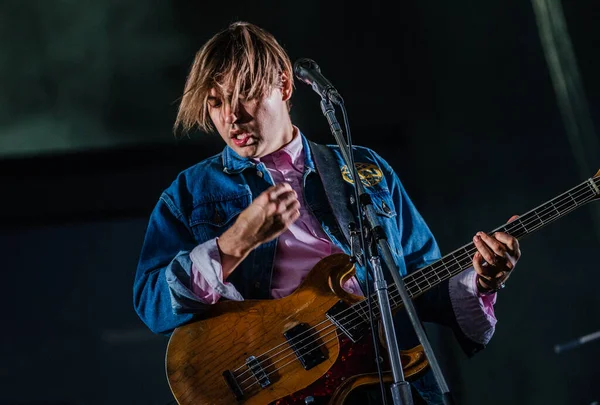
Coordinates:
(269, 215)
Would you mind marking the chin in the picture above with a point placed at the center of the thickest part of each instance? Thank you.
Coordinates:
(247, 152)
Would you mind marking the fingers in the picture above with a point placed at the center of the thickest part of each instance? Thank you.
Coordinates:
(282, 203)
(291, 214)
(488, 283)
(270, 214)
(496, 257)
(511, 243)
(286, 201)
(493, 262)
(478, 264)
(274, 193)
(489, 247)
(490, 274)
(288, 207)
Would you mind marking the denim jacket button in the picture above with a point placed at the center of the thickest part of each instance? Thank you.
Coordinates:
(385, 208)
(259, 173)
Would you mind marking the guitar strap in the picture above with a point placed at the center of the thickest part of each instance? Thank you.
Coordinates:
(337, 192)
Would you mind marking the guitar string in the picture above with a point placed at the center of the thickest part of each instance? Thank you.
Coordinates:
(443, 265)
(533, 228)
(423, 275)
(419, 276)
(291, 361)
(413, 281)
(516, 224)
(461, 267)
(352, 307)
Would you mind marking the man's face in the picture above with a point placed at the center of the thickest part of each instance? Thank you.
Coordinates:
(257, 127)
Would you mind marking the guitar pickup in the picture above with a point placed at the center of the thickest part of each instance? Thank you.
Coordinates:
(305, 345)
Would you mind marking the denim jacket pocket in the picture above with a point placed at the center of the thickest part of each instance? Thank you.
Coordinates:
(383, 204)
(384, 207)
(211, 218)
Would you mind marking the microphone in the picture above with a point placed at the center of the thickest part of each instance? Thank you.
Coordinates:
(309, 72)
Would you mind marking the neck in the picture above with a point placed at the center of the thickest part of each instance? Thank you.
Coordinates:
(288, 134)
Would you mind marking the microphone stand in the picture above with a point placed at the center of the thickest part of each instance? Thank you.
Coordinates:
(400, 389)
(559, 348)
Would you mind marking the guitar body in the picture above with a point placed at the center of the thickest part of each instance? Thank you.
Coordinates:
(283, 351)
(210, 361)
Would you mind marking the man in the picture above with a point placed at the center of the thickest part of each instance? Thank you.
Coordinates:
(252, 221)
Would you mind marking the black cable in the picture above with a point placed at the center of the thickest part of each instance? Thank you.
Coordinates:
(355, 175)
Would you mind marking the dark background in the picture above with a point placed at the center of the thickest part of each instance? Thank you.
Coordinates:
(457, 96)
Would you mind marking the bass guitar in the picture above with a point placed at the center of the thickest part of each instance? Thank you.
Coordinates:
(316, 341)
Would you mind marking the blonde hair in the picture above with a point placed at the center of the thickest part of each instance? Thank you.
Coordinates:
(243, 60)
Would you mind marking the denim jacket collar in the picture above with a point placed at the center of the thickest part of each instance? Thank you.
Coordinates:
(309, 163)
(234, 163)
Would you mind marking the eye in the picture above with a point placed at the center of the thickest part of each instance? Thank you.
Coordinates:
(214, 103)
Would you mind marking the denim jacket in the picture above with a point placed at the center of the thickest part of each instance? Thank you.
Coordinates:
(204, 201)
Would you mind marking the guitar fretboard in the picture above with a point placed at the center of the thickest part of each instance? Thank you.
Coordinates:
(461, 259)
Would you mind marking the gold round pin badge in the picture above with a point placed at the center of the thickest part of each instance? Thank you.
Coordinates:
(369, 174)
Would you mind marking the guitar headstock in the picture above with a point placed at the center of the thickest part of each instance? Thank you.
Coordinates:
(595, 181)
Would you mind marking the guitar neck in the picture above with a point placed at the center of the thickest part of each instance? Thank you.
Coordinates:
(461, 259)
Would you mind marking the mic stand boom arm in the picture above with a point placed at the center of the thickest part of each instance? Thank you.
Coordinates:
(400, 388)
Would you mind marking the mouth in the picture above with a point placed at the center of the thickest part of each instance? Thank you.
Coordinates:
(241, 138)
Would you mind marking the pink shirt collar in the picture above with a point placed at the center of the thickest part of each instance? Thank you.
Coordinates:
(293, 150)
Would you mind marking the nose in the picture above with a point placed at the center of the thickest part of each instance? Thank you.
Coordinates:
(230, 114)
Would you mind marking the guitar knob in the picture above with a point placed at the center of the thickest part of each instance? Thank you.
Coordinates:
(309, 400)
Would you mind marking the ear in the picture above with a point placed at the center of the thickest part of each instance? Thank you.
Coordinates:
(287, 86)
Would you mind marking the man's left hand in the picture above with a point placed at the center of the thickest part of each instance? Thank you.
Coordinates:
(495, 259)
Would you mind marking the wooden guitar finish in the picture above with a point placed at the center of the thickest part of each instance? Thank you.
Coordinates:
(242, 353)
(199, 353)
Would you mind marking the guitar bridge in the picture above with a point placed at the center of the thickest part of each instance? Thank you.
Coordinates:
(233, 385)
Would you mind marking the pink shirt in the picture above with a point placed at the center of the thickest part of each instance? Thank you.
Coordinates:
(304, 244)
